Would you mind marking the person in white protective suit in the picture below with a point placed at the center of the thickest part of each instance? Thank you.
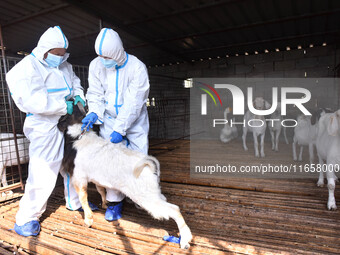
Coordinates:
(42, 85)
(117, 95)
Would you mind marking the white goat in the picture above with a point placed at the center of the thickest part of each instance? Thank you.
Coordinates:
(8, 156)
(111, 165)
(275, 128)
(259, 129)
(328, 148)
(228, 133)
(305, 133)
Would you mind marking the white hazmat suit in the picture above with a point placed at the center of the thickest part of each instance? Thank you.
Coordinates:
(118, 95)
(41, 92)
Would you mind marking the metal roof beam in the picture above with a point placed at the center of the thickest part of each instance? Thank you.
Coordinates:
(183, 11)
(246, 26)
(92, 8)
(271, 40)
(36, 14)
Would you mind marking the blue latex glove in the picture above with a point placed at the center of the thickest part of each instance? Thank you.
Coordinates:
(89, 120)
(79, 99)
(116, 137)
(69, 105)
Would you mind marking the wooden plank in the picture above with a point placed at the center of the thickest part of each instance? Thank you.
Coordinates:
(226, 216)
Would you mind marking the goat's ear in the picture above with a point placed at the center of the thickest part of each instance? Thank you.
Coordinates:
(267, 105)
(81, 108)
(254, 104)
(62, 123)
(333, 125)
(314, 117)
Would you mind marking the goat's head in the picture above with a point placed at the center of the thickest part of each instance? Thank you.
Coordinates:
(318, 113)
(76, 117)
(334, 124)
(261, 104)
(303, 120)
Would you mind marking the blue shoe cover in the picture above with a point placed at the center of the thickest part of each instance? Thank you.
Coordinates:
(31, 228)
(172, 239)
(114, 212)
(92, 206)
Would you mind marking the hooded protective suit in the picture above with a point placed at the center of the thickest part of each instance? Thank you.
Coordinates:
(118, 95)
(41, 92)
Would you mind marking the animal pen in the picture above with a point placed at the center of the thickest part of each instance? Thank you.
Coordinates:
(12, 139)
(184, 44)
(236, 215)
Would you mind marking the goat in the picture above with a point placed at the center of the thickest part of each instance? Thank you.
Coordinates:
(275, 128)
(228, 133)
(260, 130)
(8, 156)
(328, 148)
(305, 133)
(108, 165)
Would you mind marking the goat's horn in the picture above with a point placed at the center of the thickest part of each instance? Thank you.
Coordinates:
(81, 108)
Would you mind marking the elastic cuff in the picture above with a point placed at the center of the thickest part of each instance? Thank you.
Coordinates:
(121, 132)
(99, 121)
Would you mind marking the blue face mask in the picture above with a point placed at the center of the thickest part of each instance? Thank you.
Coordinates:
(108, 63)
(53, 60)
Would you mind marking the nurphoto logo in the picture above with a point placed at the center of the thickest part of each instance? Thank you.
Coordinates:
(239, 100)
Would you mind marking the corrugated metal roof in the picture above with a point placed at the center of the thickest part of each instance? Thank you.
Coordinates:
(163, 32)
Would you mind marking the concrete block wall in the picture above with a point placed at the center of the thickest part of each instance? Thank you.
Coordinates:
(319, 61)
(316, 62)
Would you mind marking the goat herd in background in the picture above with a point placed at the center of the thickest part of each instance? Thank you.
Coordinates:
(321, 130)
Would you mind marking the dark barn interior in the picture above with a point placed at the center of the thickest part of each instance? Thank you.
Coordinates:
(178, 41)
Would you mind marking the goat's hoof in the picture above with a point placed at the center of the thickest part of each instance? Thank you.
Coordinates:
(245, 149)
(186, 237)
(295, 159)
(263, 155)
(88, 222)
(331, 206)
(320, 184)
(185, 246)
(185, 242)
(300, 159)
(257, 155)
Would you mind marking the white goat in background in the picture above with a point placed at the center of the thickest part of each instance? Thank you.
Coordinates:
(275, 128)
(328, 148)
(260, 129)
(305, 133)
(8, 156)
(228, 133)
